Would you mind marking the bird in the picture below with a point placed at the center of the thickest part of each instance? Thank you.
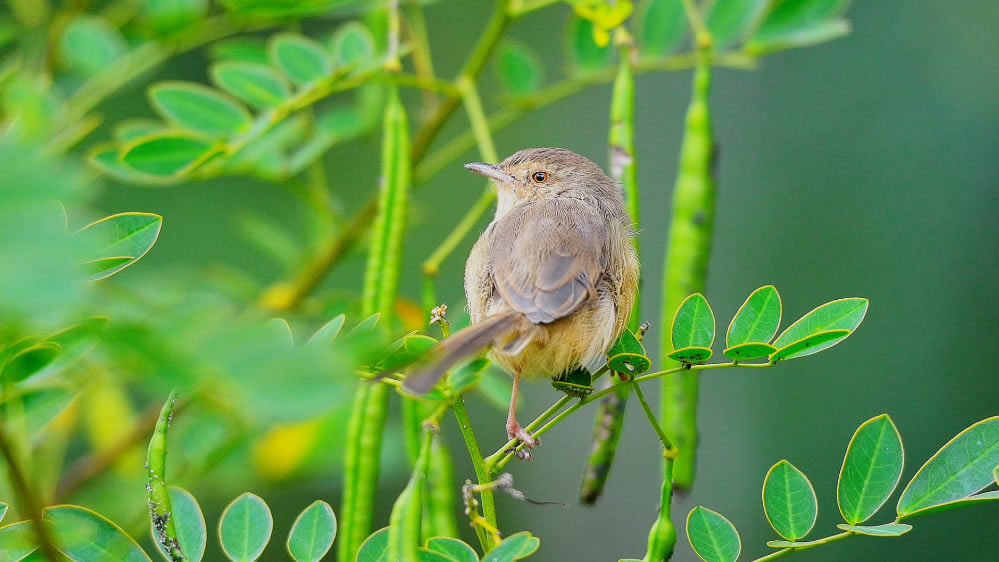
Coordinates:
(551, 281)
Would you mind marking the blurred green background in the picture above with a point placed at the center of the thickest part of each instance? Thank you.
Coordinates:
(863, 167)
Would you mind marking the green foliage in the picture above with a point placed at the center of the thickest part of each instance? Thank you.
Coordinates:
(83, 534)
(192, 533)
(258, 85)
(693, 330)
(713, 537)
(660, 26)
(245, 528)
(17, 541)
(953, 477)
(118, 241)
(301, 59)
(312, 534)
(871, 469)
(628, 355)
(519, 68)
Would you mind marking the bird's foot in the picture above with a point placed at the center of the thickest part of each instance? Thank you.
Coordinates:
(515, 431)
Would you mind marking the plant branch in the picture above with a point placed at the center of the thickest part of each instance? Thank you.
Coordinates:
(482, 469)
(805, 546)
(667, 445)
(27, 497)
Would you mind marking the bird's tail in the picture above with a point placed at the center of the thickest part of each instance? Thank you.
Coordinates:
(466, 343)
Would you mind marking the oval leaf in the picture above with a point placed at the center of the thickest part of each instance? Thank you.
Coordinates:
(519, 68)
(757, 319)
(515, 547)
(328, 332)
(312, 533)
(301, 59)
(245, 49)
(661, 25)
(82, 534)
(192, 533)
(427, 555)
(584, 53)
(172, 15)
(841, 314)
(797, 24)
(352, 45)
(166, 154)
(713, 537)
(789, 501)
(871, 469)
(29, 361)
(89, 44)
(245, 528)
(454, 549)
(17, 541)
(126, 236)
(960, 468)
(747, 351)
(3, 510)
(693, 323)
(628, 355)
(886, 530)
(806, 346)
(729, 20)
(375, 547)
(258, 85)
(691, 355)
(199, 108)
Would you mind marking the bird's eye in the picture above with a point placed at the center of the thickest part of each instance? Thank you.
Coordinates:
(539, 177)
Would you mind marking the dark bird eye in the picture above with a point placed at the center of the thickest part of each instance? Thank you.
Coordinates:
(540, 177)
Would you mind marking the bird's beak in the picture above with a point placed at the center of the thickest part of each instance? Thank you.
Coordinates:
(489, 170)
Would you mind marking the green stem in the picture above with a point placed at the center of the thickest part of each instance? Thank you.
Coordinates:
(481, 467)
(811, 544)
(667, 445)
(381, 282)
(609, 421)
(688, 250)
(662, 535)
(160, 510)
(32, 505)
(404, 522)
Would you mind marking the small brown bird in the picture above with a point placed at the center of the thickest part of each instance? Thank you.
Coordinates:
(551, 281)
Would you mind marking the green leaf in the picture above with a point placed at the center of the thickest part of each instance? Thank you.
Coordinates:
(199, 108)
(3, 510)
(628, 355)
(127, 236)
(995, 474)
(166, 154)
(427, 555)
(245, 528)
(29, 361)
(258, 85)
(584, 53)
(466, 376)
(89, 44)
(172, 15)
(661, 25)
(840, 314)
(807, 345)
(730, 20)
(312, 533)
(886, 530)
(789, 501)
(328, 331)
(520, 70)
(757, 319)
(106, 158)
(244, 49)
(39, 404)
(515, 547)
(798, 23)
(963, 466)
(693, 323)
(301, 59)
(454, 549)
(375, 547)
(352, 45)
(871, 469)
(17, 541)
(407, 351)
(691, 355)
(132, 129)
(747, 351)
(82, 534)
(712, 536)
(192, 533)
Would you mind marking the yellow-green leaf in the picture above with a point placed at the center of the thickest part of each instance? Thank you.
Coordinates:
(120, 240)
(199, 108)
(167, 154)
(258, 85)
(840, 314)
(301, 59)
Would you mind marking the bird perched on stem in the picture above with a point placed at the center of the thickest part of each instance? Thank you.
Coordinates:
(551, 281)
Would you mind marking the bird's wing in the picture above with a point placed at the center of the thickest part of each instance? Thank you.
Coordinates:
(549, 257)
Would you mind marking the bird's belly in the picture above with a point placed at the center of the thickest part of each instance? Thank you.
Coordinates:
(581, 339)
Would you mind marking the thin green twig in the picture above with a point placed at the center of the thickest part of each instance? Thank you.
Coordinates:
(482, 469)
(805, 546)
(27, 497)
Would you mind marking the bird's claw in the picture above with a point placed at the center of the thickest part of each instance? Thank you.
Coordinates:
(518, 433)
